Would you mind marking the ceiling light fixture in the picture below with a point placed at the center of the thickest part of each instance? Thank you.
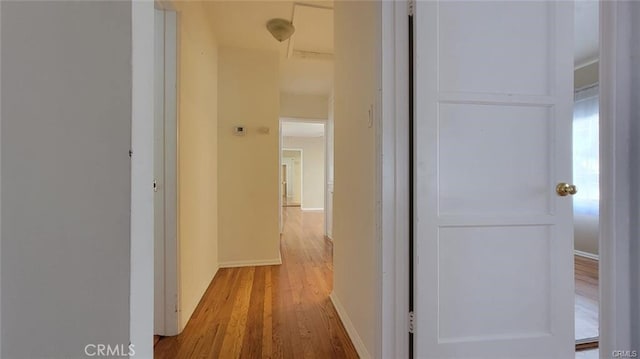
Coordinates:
(281, 29)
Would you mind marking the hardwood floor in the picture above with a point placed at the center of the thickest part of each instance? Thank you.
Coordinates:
(586, 315)
(285, 312)
(270, 311)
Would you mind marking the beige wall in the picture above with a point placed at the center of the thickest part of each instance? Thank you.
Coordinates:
(357, 271)
(248, 172)
(303, 106)
(198, 156)
(313, 169)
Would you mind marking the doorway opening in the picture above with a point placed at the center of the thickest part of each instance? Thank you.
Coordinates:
(292, 181)
(256, 152)
(304, 167)
(303, 157)
(586, 172)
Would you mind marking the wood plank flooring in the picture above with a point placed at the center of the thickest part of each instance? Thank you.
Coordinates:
(270, 311)
(284, 311)
(586, 315)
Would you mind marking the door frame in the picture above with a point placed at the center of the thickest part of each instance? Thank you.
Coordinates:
(618, 210)
(393, 141)
(325, 122)
(168, 183)
(391, 326)
(329, 165)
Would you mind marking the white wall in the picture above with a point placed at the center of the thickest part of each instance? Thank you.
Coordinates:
(249, 165)
(586, 75)
(66, 177)
(586, 233)
(357, 272)
(586, 229)
(198, 156)
(303, 106)
(313, 169)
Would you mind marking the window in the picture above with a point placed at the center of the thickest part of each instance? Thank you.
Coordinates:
(586, 167)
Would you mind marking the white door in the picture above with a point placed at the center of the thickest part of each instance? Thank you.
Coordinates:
(165, 198)
(493, 239)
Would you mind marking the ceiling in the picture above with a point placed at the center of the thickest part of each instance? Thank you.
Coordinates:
(302, 129)
(586, 32)
(306, 65)
(305, 59)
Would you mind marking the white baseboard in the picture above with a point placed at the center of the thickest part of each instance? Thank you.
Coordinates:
(348, 325)
(251, 263)
(586, 254)
(312, 209)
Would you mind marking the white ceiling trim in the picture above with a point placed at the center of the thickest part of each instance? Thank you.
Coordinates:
(587, 63)
(303, 120)
(302, 129)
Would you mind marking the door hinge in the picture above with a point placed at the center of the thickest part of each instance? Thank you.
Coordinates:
(411, 7)
(412, 322)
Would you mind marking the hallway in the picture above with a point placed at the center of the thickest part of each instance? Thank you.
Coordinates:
(270, 311)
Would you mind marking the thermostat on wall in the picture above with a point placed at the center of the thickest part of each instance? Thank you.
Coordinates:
(239, 130)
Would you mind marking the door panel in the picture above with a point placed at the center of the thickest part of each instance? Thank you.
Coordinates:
(494, 242)
(472, 35)
(486, 131)
(472, 260)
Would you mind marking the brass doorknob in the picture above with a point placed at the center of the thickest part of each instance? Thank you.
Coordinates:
(565, 189)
